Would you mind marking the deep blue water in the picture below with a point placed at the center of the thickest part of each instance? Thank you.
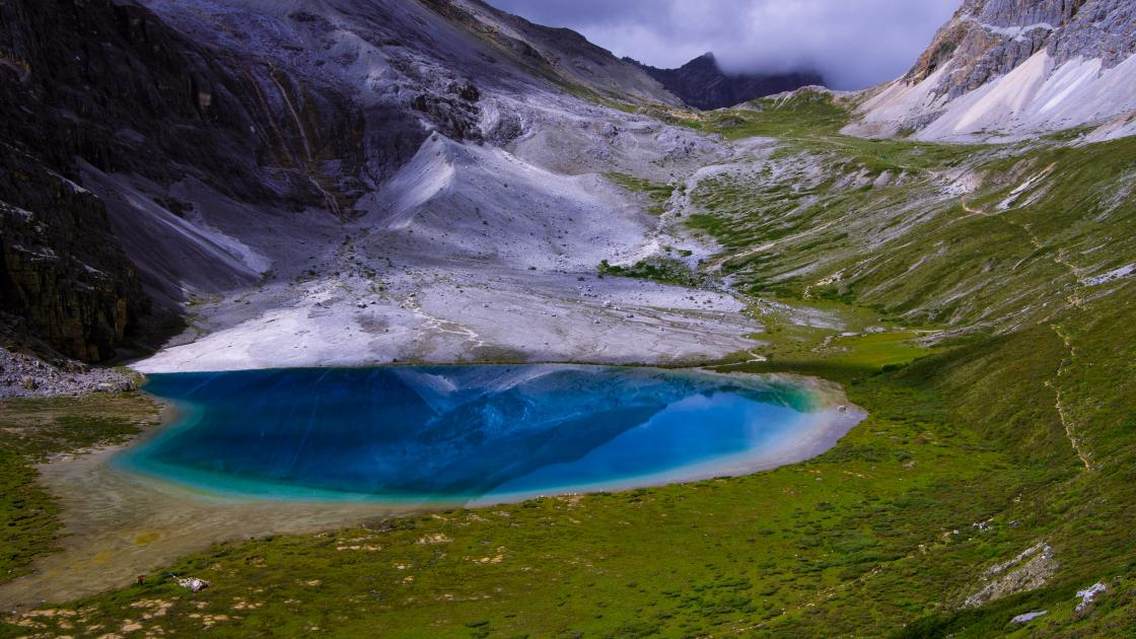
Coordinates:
(459, 433)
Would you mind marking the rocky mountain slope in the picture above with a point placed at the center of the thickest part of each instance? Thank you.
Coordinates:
(238, 145)
(562, 54)
(1002, 69)
(702, 84)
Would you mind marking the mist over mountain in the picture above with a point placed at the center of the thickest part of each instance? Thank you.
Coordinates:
(701, 83)
(853, 44)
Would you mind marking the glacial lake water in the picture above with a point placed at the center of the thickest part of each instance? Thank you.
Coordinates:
(472, 434)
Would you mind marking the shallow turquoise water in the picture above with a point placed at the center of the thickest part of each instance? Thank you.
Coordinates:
(462, 433)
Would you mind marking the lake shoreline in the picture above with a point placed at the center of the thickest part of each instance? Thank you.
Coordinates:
(119, 525)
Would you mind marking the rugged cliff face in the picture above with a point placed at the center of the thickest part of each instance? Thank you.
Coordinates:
(702, 84)
(989, 38)
(1005, 68)
(63, 274)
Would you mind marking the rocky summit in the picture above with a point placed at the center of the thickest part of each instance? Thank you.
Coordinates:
(414, 318)
(1011, 69)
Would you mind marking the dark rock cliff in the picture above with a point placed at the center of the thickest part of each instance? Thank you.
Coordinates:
(701, 83)
(63, 276)
(62, 272)
(567, 57)
(112, 86)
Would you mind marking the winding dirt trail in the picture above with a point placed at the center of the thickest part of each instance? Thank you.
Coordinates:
(1075, 303)
(1059, 404)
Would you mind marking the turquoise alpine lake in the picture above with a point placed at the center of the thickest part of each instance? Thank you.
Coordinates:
(469, 434)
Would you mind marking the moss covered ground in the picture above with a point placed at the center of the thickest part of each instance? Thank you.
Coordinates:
(31, 430)
(656, 194)
(665, 269)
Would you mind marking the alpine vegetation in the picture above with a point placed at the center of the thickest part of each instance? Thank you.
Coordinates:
(415, 318)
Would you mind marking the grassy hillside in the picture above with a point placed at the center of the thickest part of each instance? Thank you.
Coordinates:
(996, 238)
(1000, 386)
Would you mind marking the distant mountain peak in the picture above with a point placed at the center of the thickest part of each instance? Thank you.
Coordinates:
(701, 82)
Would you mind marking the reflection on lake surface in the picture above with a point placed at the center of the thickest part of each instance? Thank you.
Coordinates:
(468, 433)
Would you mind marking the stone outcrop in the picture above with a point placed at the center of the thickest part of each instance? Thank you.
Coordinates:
(1029, 570)
(989, 38)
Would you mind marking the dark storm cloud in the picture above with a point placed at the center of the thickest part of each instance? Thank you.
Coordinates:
(854, 43)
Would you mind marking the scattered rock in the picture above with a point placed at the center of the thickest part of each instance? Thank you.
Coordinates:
(192, 584)
(1028, 571)
(435, 538)
(1029, 616)
(1089, 595)
(23, 375)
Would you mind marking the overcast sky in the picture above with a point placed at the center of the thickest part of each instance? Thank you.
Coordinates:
(853, 43)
